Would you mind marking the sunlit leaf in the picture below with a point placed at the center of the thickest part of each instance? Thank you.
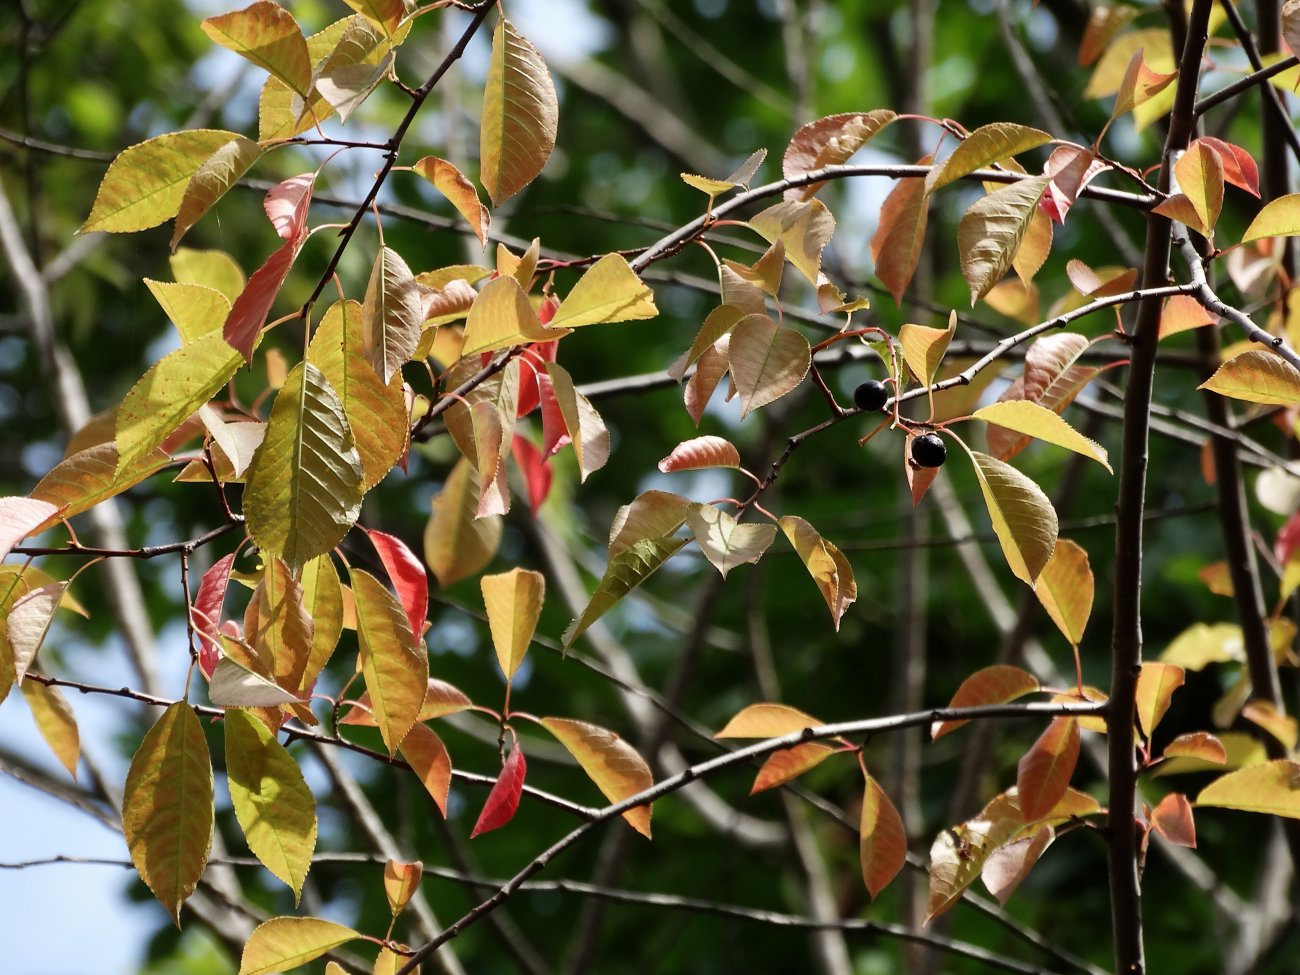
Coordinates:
(277, 625)
(520, 115)
(267, 35)
(501, 803)
(767, 361)
(243, 326)
(456, 544)
(1272, 788)
(957, 855)
(55, 721)
(626, 570)
(501, 317)
(1103, 24)
(900, 233)
(652, 514)
(609, 291)
(235, 686)
(709, 370)
(1140, 84)
(924, 348)
(322, 598)
(406, 574)
(1197, 744)
(996, 684)
(391, 315)
(1257, 377)
(209, 269)
(1199, 172)
(303, 489)
(610, 762)
(1065, 589)
(167, 807)
(275, 809)
(716, 324)
(19, 517)
(825, 563)
(804, 227)
(882, 840)
(346, 86)
(987, 144)
(146, 183)
(1155, 685)
(1278, 218)
(1023, 517)
(1172, 819)
(424, 751)
(991, 230)
(283, 943)
(790, 763)
(585, 427)
(1042, 423)
(1183, 313)
(699, 453)
(28, 623)
(393, 660)
(829, 141)
(514, 604)
(724, 541)
(1044, 771)
(1239, 166)
(453, 184)
(766, 721)
(1264, 715)
(401, 881)
(219, 172)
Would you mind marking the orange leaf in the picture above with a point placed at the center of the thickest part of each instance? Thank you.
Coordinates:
(699, 453)
(829, 141)
(767, 721)
(882, 840)
(1066, 589)
(997, 684)
(452, 183)
(401, 880)
(1155, 686)
(1197, 744)
(1172, 819)
(1044, 771)
(790, 763)
(428, 758)
(900, 233)
(610, 762)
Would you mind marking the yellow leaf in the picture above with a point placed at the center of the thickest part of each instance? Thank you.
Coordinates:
(219, 172)
(520, 115)
(1155, 686)
(705, 184)
(987, 144)
(585, 427)
(393, 660)
(1257, 377)
(283, 943)
(1023, 518)
(167, 807)
(452, 183)
(428, 758)
(401, 881)
(384, 14)
(322, 598)
(456, 544)
(391, 315)
(724, 541)
(275, 809)
(1264, 715)
(804, 228)
(267, 35)
(1202, 644)
(195, 309)
(1199, 172)
(514, 603)
(825, 563)
(1272, 788)
(882, 840)
(209, 268)
(55, 721)
(1140, 85)
(991, 230)
(608, 292)
(767, 721)
(1197, 744)
(278, 625)
(1037, 421)
(610, 762)
(501, 317)
(1066, 589)
(1278, 218)
(924, 348)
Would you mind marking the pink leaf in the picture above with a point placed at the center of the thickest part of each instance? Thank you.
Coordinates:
(286, 206)
(248, 314)
(19, 517)
(1288, 539)
(1070, 169)
(537, 473)
(207, 612)
(701, 452)
(407, 575)
(503, 800)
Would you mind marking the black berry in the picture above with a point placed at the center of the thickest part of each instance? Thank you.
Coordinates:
(929, 451)
(871, 395)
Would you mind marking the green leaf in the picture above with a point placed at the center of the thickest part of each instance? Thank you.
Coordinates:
(393, 660)
(167, 807)
(391, 315)
(376, 413)
(146, 183)
(1257, 377)
(608, 292)
(990, 232)
(1065, 589)
(803, 227)
(724, 541)
(322, 598)
(170, 393)
(625, 571)
(829, 141)
(268, 36)
(195, 309)
(210, 269)
(987, 144)
(303, 489)
(1272, 788)
(284, 943)
(767, 361)
(610, 762)
(1278, 218)
(210, 182)
(520, 115)
(275, 809)
(1037, 421)
(513, 601)
(456, 544)
(825, 563)
(1023, 517)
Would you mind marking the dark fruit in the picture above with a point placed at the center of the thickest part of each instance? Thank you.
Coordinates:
(929, 451)
(871, 395)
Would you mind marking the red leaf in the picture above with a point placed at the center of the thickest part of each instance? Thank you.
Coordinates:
(248, 314)
(1172, 819)
(700, 452)
(531, 370)
(555, 434)
(503, 800)
(407, 575)
(537, 473)
(286, 206)
(1044, 772)
(207, 612)
(1288, 540)
(1238, 166)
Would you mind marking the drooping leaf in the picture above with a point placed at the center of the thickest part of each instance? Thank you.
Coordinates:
(393, 660)
(1155, 685)
(987, 144)
(1023, 517)
(453, 184)
(55, 721)
(520, 115)
(278, 626)
(194, 308)
(167, 807)
(234, 685)
(1065, 589)
(900, 234)
(882, 840)
(1202, 644)
(767, 361)
(275, 809)
(625, 571)
(322, 598)
(146, 183)
(28, 623)
(503, 800)
(456, 544)
(401, 881)
(376, 413)
(1044, 771)
(424, 751)
(1272, 788)
(829, 141)
(406, 574)
(803, 227)
(991, 230)
(1278, 218)
(608, 292)
(1257, 377)
(1007, 866)
(1281, 726)
(391, 315)
(243, 326)
(724, 541)
(610, 762)
(996, 684)
(1042, 423)
(957, 855)
(169, 393)
(924, 348)
(699, 453)
(206, 615)
(384, 14)
(218, 173)
(1199, 172)
(1183, 313)
(267, 35)
(502, 317)
(1239, 167)
(789, 763)
(585, 427)
(19, 517)
(283, 943)
(709, 370)
(537, 474)
(1103, 24)
(826, 564)
(514, 604)
(303, 488)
